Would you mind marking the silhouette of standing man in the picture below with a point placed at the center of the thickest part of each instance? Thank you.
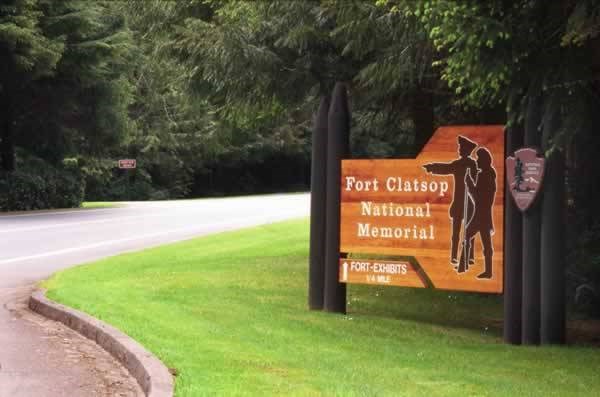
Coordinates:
(458, 168)
(483, 192)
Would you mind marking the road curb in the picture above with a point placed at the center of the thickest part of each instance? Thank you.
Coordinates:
(149, 371)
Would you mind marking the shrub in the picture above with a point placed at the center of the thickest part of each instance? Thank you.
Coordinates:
(39, 187)
(119, 185)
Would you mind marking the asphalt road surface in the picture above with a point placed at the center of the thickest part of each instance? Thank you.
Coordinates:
(41, 358)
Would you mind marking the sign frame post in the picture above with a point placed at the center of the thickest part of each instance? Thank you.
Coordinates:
(338, 147)
(531, 242)
(552, 283)
(513, 253)
(318, 186)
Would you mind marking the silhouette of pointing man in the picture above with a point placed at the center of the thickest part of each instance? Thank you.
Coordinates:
(483, 191)
(458, 169)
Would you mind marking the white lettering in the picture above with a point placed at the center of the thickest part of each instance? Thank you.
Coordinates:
(363, 230)
(390, 184)
(368, 208)
(415, 232)
(360, 185)
(443, 188)
(390, 268)
(397, 184)
(349, 181)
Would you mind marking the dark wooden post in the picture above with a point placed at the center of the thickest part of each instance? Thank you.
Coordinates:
(337, 149)
(513, 253)
(316, 272)
(553, 252)
(531, 241)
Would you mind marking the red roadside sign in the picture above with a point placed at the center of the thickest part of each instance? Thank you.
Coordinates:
(127, 163)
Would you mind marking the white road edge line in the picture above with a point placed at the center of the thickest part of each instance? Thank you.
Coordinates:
(236, 223)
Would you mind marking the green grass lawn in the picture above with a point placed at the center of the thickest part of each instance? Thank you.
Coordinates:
(229, 312)
(99, 204)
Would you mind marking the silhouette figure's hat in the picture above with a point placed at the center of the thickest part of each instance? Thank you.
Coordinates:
(466, 144)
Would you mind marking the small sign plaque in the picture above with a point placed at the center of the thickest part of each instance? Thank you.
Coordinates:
(379, 272)
(127, 163)
(525, 172)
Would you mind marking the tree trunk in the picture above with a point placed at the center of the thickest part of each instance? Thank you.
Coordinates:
(422, 115)
(7, 142)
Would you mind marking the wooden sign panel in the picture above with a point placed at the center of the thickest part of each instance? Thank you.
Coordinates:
(444, 209)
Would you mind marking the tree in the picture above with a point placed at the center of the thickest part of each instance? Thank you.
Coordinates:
(510, 53)
(280, 57)
(395, 82)
(63, 84)
(27, 54)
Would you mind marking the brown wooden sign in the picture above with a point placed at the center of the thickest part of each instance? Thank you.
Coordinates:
(444, 209)
(525, 172)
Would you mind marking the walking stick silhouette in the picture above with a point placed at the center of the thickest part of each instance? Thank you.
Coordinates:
(464, 222)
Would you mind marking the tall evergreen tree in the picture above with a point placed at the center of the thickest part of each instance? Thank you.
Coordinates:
(277, 58)
(27, 53)
(63, 89)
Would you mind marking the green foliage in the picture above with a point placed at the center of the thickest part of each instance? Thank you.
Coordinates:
(64, 78)
(63, 88)
(464, 32)
(105, 182)
(38, 185)
(186, 88)
(395, 86)
(272, 61)
(26, 51)
(583, 23)
(183, 132)
(510, 53)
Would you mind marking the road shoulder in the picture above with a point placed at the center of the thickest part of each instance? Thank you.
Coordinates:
(39, 357)
(150, 373)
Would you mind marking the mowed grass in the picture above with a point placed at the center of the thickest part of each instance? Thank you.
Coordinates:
(99, 204)
(229, 313)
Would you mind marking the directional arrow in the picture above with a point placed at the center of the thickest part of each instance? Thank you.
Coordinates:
(380, 272)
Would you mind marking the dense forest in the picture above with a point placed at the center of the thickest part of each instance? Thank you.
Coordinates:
(215, 97)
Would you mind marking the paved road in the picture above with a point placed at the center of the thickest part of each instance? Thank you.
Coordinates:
(38, 358)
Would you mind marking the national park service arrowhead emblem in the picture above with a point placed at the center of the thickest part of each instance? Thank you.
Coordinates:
(525, 172)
